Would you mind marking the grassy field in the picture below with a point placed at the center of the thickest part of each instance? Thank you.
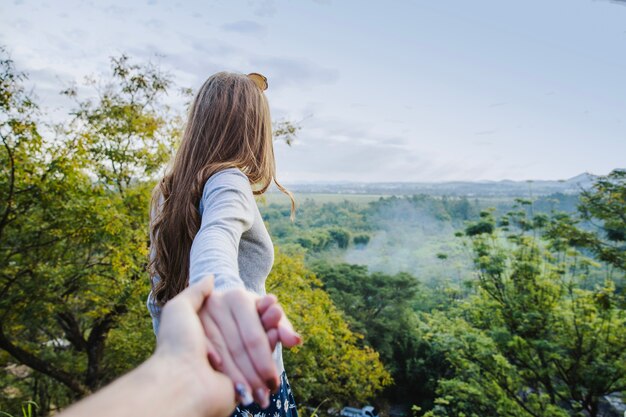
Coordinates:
(301, 198)
(274, 197)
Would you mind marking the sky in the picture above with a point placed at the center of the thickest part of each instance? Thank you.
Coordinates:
(383, 90)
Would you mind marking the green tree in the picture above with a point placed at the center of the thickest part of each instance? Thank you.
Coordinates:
(361, 239)
(315, 239)
(73, 231)
(340, 236)
(286, 130)
(601, 209)
(533, 340)
(379, 306)
(330, 365)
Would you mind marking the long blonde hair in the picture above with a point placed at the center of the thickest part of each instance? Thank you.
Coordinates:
(228, 126)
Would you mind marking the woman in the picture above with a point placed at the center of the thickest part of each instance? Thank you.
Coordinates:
(205, 220)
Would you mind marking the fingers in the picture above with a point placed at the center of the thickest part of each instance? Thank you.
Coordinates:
(264, 302)
(255, 342)
(272, 336)
(196, 293)
(227, 364)
(244, 330)
(276, 323)
(287, 335)
(262, 397)
(242, 370)
(271, 317)
(215, 359)
(222, 396)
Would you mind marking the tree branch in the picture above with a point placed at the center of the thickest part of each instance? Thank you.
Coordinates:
(39, 365)
(70, 327)
(95, 343)
(9, 198)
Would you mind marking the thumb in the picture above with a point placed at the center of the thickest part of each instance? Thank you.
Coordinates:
(197, 292)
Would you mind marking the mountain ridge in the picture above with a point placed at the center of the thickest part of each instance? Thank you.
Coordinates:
(483, 188)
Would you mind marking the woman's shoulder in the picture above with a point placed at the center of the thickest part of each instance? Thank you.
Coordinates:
(229, 193)
(227, 184)
(229, 178)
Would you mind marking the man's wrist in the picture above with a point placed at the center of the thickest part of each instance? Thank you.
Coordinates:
(197, 389)
(178, 379)
(163, 386)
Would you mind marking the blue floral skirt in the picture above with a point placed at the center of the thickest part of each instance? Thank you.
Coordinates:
(282, 404)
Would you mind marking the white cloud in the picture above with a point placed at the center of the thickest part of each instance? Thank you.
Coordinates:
(383, 95)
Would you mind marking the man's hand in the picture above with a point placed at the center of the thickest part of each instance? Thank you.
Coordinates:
(182, 343)
(177, 380)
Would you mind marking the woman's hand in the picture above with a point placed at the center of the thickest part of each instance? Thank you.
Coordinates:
(276, 324)
(243, 329)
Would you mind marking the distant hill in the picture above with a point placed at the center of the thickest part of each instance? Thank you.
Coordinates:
(504, 188)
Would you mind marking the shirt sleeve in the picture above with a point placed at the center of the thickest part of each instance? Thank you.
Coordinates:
(227, 210)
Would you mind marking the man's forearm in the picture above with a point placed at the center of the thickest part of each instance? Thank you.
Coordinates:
(157, 388)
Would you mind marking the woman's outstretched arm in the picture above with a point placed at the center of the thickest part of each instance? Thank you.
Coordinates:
(228, 210)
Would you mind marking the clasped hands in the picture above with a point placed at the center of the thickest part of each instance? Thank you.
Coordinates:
(235, 330)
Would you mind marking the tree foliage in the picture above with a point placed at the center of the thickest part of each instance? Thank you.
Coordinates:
(73, 229)
(331, 365)
(541, 336)
(602, 212)
(380, 306)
